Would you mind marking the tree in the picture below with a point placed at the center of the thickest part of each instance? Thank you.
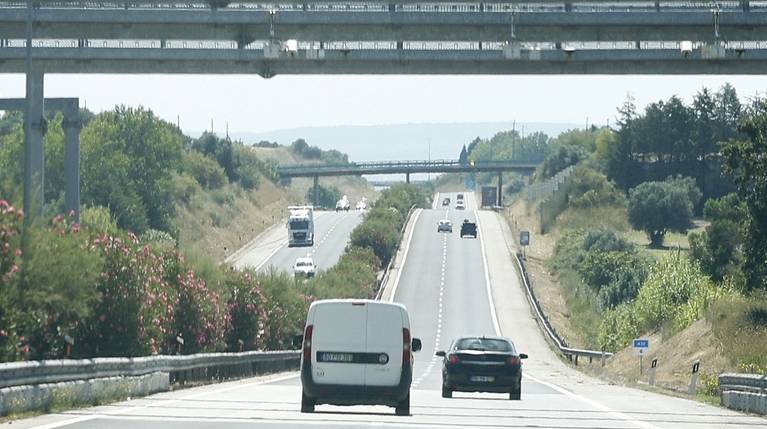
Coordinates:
(328, 196)
(221, 150)
(463, 158)
(746, 164)
(562, 157)
(206, 171)
(659, 207)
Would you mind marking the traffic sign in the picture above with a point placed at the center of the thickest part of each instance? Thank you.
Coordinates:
(641, 346)
(524, 238)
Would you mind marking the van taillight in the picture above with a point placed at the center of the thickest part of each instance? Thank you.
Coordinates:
(453, 359)
(514, 360)
(308, 344)
(405, 346)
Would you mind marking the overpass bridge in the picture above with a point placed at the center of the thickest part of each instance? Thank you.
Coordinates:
(372, 37)
(407, 168)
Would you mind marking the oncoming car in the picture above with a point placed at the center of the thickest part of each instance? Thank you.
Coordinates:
(304, 267)
(482, 364)
(460, 205)
(446, 202)
(444, 225)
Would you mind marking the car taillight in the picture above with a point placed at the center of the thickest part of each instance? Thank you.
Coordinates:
(308, 344)
(405, 346)
(453, 359)
(514, 360)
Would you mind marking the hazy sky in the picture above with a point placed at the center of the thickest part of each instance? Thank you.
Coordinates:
(251, 103)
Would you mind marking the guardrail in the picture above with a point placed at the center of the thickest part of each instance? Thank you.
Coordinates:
(181, 368)
(571, 353)
(744, 392)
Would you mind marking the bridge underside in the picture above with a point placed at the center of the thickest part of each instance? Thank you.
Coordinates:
(382, 62)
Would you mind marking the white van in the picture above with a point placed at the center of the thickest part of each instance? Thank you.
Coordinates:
(357, 352)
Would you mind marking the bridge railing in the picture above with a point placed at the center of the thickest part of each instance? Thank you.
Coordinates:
(381, 165)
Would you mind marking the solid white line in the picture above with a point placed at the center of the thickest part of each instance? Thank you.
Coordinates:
(119, 412)
(271, 255)
(404, 256)
(493, 314)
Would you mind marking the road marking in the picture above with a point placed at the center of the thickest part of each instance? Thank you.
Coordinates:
(121, 411)
(404, 256)
(618, 415)
(493, 314)
(271, 255)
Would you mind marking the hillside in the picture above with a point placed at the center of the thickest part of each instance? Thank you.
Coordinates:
(218, 222)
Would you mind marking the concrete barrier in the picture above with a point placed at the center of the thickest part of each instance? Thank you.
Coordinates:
(68, 394)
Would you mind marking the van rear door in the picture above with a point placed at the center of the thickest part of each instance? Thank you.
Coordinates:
(384, 341)
(338, 339)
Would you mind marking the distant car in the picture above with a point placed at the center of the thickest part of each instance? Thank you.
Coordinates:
(459, 197)
(460, 206)
(444, 225)
(446, 202)
(482, 364)
(362, 204)
(468, 228)
(304, 267)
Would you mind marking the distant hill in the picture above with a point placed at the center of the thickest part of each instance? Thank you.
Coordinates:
(399, 141)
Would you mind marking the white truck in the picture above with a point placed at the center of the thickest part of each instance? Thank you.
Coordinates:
(300, 226)
(343, 204)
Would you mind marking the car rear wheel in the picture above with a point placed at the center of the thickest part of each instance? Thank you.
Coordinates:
(446, 392)
(307, 403)
(403, 407)
(516, 393)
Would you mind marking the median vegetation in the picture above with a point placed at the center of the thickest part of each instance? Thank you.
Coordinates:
(93, 289)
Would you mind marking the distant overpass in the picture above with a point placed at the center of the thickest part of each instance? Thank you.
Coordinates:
(407, 168)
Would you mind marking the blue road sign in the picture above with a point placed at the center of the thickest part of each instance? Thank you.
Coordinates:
(641, 344)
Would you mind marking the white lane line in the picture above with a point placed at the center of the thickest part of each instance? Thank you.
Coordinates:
(616, 414)
(438, 334)
(404, 256)
(493, 314)
(121, 411)
(271, 255)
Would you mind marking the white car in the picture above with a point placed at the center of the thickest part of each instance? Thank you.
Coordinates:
(362, 204)
(357, 352)
(444, 225)
(304, 267)
(460, 205)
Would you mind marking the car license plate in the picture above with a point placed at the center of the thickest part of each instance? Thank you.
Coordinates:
(482, 378)
(336, 357)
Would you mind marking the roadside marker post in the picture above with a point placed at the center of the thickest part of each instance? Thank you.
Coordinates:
(640, 347)
(524, 241)
(694, 378)
(653, 368)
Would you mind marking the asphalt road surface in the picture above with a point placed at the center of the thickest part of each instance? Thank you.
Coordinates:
(271, 251)
(447, 284)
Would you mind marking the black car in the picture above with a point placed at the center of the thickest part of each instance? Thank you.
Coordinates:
(446, 202)
(468, 228)
(482, 364)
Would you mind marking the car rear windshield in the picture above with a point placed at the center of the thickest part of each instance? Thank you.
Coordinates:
(483, 344)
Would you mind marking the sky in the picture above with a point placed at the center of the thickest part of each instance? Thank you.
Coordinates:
(249, 103)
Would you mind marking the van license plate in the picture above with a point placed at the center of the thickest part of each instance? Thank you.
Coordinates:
(482, 378)
(336, 357)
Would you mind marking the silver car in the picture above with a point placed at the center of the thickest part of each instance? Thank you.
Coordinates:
(444, 225)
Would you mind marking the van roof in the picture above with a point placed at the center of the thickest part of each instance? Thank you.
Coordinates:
(359, 301)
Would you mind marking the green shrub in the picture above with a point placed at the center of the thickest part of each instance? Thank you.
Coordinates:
(246, 311)
(206, 171)
(379, 233)
(185, 187)
(98, 220)
(590, 188)
(562, 157)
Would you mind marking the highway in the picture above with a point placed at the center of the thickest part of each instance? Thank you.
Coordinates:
(271, 251)
(451, 286)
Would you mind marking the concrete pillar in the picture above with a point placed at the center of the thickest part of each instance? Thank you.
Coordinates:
(500, 188)
(34, 159)
(316, 190)
(407, 177)
(72, 163)
(745, 5)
